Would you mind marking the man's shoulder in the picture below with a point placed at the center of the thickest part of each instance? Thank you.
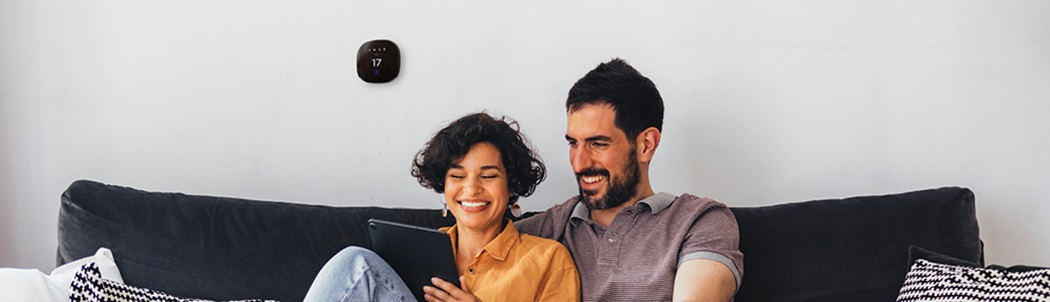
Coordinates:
(562, 209)
(702, 210)
(566, 206)
(690, 201)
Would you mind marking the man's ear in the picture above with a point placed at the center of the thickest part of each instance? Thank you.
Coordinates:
(646, 142)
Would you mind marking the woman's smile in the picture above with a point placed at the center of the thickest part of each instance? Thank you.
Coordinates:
(474, 206)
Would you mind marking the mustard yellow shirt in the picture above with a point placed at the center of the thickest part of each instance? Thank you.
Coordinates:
(520, 267)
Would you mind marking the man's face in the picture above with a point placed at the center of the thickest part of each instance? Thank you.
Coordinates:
(602, 156)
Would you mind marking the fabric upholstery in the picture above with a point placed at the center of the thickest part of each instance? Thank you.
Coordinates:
(938, 277)
(215, 247)
(88, 285)
(853, 249)
(937, 282)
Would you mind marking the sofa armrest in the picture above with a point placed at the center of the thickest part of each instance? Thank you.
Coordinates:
(215, 247)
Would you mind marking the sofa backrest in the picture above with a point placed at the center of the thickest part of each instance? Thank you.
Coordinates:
(215, 247)
(852, 249)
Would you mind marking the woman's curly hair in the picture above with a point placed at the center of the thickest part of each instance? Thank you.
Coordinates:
(524, 168)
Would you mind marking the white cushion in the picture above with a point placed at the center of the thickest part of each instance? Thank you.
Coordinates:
(34, 285)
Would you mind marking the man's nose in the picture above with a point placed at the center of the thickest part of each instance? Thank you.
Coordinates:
(580, 159)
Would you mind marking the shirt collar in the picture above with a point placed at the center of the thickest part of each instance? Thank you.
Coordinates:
(656, 203)
(500, 246)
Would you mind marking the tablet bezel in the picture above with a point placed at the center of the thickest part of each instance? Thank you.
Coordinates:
(416, 253)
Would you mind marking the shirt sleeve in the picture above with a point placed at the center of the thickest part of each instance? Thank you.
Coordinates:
(715, 236)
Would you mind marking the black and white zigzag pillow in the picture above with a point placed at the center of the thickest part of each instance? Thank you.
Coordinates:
(930, 281)
(89, 286)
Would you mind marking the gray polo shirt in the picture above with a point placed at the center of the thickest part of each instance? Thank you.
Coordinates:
(636, 257)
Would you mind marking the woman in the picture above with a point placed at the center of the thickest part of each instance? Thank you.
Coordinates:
(481, 165)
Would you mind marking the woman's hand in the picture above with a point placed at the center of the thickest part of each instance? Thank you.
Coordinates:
(446, 291)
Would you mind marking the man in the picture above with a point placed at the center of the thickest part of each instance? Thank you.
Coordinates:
(630, 243)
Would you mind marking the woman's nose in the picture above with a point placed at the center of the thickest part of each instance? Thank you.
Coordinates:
(472, 186)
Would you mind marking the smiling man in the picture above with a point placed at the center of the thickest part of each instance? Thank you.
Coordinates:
(630, 243)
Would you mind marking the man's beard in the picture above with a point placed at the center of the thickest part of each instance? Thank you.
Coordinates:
(618, 193)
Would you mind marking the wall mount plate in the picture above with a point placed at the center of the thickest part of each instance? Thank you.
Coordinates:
(378, 61)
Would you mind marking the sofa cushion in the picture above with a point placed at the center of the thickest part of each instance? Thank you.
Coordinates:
(938, 282)
(214, 247)
(88, 285)
(934, 276)
(852, 249)
(917, 252)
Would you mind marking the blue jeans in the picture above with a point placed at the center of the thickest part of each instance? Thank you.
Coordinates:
(357, 274)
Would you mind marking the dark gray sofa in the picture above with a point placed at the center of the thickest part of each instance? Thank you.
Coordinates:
(852, 249)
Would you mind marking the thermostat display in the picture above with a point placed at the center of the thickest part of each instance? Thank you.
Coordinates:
(378, 61)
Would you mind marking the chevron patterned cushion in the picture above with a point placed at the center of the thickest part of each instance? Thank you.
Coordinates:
(931, 281)
(89, 286)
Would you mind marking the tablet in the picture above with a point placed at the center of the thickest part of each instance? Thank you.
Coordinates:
(416, 253)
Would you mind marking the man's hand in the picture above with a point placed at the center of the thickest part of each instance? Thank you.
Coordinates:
(704, 280)
(446, 291)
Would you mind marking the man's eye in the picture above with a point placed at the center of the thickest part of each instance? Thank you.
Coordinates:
(572, 144)
(600, 144)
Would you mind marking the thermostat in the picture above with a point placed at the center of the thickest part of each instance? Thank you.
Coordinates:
(378, 61)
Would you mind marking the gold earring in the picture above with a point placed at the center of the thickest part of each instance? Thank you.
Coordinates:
(444, 210)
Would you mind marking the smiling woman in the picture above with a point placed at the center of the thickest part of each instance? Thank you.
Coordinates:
(523, 166)
(477, 194)
(482, 165)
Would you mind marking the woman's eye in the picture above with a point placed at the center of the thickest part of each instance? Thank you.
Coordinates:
(456, 176)
(489, 176)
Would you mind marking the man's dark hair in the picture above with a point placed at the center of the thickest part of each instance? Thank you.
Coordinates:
(634, 97)
(524, 168)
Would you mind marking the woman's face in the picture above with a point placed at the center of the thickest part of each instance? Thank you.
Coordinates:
(476, 188)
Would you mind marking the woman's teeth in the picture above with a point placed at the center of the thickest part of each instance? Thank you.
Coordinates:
(473, 203)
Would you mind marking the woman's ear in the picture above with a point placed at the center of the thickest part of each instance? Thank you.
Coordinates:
(646, 143)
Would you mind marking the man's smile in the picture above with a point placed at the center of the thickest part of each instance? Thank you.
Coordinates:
(592, 179)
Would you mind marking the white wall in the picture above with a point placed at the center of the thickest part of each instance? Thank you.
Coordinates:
(768, 101)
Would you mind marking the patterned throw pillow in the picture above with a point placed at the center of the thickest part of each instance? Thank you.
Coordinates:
(89, 286)
(931, 281)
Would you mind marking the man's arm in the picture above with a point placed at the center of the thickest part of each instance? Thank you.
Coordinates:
(538, 225)
(548, 224)
(704, 280)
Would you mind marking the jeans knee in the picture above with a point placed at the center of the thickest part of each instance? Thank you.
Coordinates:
(354, 257)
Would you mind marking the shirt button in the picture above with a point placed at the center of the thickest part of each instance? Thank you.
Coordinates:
(612, 240)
